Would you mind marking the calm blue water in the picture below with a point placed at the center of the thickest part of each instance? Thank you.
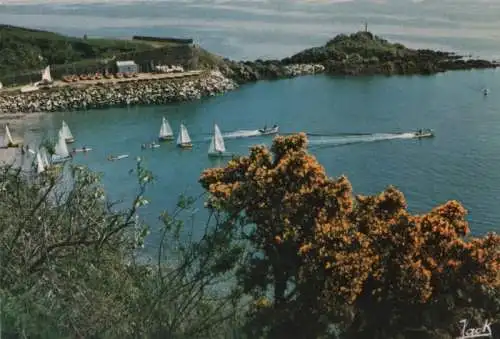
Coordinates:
(461, 162)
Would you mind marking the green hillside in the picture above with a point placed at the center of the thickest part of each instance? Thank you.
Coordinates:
(23, 49)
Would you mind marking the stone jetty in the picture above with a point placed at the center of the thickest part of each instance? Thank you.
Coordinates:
(105, 95)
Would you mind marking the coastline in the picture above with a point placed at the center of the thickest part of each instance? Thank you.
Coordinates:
(116, 93)
(144, 90)
(358, 54)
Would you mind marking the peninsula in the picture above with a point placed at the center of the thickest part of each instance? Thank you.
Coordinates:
(84, 73)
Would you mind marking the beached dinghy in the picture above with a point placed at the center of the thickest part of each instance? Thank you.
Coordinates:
(183, 140)
(217, 147)
(166, 132)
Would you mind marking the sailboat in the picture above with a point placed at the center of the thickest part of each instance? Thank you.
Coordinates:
(39, 163)
(46, 77)
(7, 140)
(61, 150)
(165, 131)
(45, 157)
(66, 132)
(183, 140)
(46, 80)
(217, 147)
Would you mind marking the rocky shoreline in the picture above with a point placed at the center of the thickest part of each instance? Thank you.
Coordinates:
(357, 54)
(106, 95)
(144, 92)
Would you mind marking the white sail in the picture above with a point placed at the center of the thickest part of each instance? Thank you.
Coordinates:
(165, 130)
(39, 163)
(61, 148)
(219, 140)
(183, 137)
(8, 136)
(66, 131)
(46, 77)
(45, 157)
(211, 148)
(217, 143)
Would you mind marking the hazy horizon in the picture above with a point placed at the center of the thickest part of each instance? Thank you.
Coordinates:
(250, 29)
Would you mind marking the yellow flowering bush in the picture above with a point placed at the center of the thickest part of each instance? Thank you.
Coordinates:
(321, 250)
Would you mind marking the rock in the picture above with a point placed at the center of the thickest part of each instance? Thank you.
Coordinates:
(145, 92)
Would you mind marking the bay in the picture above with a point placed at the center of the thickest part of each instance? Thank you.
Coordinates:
(460, 163)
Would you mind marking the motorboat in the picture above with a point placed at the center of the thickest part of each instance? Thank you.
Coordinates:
(424, 133)
(83, 149)
(151, 145)
(117, 157)
(270, 130)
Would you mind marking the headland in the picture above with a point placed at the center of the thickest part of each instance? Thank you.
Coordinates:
(88, 73)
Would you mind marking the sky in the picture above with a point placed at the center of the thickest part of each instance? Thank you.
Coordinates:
(249, 29)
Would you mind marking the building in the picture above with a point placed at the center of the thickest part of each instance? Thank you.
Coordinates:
(127, 67)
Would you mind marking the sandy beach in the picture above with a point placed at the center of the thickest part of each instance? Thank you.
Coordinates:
(8, 156)
(17, 125)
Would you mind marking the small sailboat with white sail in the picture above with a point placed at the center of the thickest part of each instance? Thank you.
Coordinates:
(183, 140)
(7, 139)
(68, 136)
(217, 147)
(166, 132)
(61, 150)
(44, 155)
(46, 77)
(46, 81)
(40, 168)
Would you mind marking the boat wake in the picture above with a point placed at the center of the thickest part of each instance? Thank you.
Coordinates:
(242, 133)
(345, 140)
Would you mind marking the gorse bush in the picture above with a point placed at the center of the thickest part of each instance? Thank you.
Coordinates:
(324, 257)
(287, 252)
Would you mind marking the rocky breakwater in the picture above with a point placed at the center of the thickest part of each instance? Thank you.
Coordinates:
(360, 53)
(249, 71)
(104, 95)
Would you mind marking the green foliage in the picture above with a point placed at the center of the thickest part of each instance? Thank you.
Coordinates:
(365, 53)
(70, 265)
(23, 49)
(321, 258)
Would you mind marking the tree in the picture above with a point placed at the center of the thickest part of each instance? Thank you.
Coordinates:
(70, 265)
(323, 257)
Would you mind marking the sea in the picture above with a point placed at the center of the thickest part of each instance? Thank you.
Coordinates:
(358, 126)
